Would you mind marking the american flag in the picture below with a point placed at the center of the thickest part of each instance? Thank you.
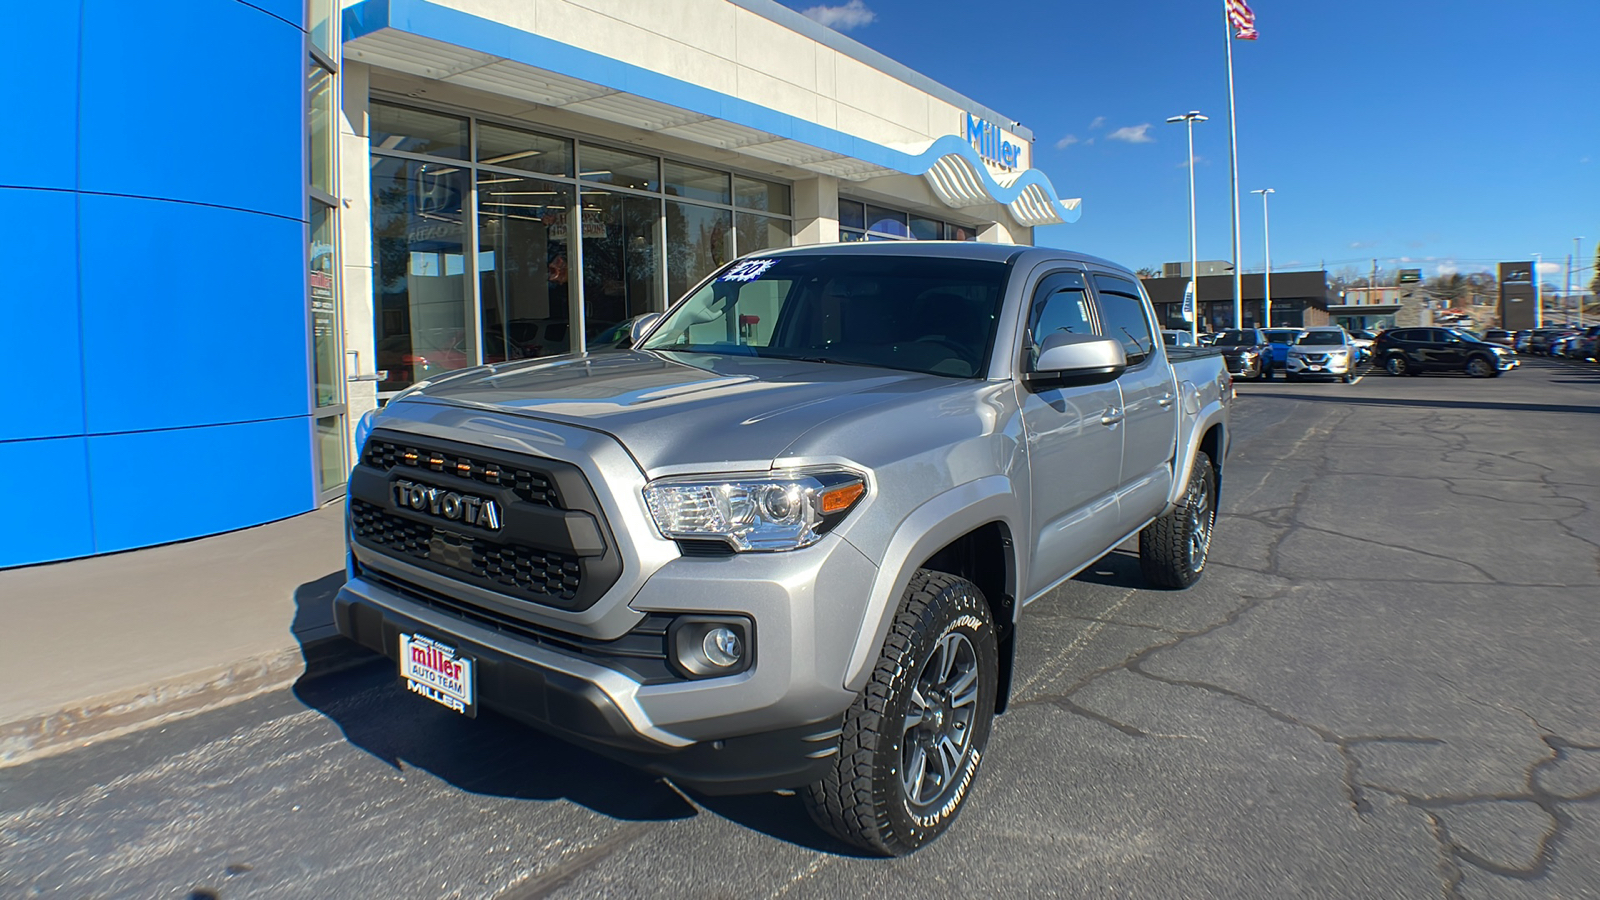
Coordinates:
(1242, 19)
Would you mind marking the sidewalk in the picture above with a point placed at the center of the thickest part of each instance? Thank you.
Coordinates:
(101, 646)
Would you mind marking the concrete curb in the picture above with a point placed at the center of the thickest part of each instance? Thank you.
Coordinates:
(114, 715)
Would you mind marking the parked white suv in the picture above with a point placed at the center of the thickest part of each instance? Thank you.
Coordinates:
(1325, 351)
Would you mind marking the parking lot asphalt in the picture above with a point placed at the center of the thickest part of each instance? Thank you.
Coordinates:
(1385, 686)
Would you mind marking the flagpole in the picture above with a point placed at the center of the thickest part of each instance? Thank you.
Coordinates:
(1233, 183)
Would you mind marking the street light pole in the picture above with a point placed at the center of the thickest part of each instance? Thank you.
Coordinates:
(1538, 299)
(1189, 118)
(1266, 247)
(1576, 249)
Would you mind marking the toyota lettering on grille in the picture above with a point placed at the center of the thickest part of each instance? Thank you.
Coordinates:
(479, 511)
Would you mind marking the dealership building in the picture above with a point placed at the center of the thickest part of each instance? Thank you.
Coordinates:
(399, 188)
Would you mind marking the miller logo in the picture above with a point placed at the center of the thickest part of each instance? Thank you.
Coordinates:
(479, 511)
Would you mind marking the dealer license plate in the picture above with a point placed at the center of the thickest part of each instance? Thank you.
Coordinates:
(439, 672)
(1314, 368)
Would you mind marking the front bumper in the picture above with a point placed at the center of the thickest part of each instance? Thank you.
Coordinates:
(774, 725)
(1330, 366)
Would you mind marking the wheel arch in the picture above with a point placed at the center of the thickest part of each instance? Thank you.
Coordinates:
(958, 528)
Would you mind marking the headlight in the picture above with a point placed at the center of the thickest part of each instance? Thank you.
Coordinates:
(1247, 355)
(782, 511)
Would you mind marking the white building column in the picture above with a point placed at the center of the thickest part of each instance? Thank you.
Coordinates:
(816, 210)
(355, 243)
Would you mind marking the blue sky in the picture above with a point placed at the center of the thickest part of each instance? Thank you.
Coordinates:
(1446, 134)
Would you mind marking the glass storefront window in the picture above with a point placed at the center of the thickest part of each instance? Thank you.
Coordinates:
(522, 266)
(332, 465)
(753, 232)
(321, 128)
(762, 196)
(619, 167)
(886, 221)
(322, 24)
(421, 317)
(696, 183)
(621, 259)
(926, 229)
(698, 241)
(515, 149)
(953, 232)
(416, 131)
(852, 215)
(327, 372)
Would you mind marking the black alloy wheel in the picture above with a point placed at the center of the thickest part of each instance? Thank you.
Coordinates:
(1480, 367)
(1397, 364)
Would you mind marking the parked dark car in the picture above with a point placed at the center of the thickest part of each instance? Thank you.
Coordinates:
(1246, 353)
(1500, 336)
(1588, 344)
(1540, 342)
(1412, 351)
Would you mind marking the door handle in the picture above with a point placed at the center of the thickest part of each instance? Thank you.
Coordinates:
(1112, 416)
(1165, 401)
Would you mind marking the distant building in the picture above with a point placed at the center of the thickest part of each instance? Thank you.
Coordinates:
(1299, 299)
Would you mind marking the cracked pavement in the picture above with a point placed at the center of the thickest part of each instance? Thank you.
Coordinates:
(1387, 685)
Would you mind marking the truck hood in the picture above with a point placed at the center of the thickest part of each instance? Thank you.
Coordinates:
(683, 411)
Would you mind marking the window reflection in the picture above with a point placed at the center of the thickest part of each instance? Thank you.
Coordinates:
(322, 132)
(421, 318)
(754, 233)
(327, 372)
(619, 167)
(698, 241)
(621, 261)
(522, 266)
(516, 149)
(416, 131)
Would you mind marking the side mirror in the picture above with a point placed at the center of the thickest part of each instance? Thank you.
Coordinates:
(642, 325)
(1067, 360)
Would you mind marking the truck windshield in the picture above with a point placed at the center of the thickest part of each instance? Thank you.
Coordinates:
(935, 316)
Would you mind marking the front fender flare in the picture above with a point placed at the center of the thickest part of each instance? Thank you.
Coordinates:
(922, 533)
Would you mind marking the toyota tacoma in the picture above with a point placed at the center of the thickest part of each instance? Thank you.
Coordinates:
(784, 540)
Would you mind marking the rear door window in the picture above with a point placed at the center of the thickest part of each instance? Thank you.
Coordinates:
(1122, 317)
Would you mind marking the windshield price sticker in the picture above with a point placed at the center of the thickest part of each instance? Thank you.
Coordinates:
(438, 672)
(747, 270)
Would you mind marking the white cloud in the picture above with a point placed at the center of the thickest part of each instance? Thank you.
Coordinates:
(1550, 268)
(1133, 134)
(1362, 245)
(1066, 142)
(1198, 160)
(1098, 121)
(1446, 267)
(842, 18)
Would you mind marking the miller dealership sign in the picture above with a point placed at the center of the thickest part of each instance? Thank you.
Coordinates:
(992, 143)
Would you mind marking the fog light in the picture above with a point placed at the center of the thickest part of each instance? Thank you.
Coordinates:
(710, 646)
(722, 647)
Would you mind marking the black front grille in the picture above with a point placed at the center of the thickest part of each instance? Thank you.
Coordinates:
(538, 575)
(641, 653)
(532, 486)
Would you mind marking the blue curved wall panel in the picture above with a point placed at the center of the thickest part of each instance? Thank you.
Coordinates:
(153, 199)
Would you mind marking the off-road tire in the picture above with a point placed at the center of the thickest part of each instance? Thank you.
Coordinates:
(1167, 546)
(862, 801)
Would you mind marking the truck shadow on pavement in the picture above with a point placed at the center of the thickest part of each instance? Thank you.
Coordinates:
(494, 756)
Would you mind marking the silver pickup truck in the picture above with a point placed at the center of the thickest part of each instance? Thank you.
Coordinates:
(785, 540)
